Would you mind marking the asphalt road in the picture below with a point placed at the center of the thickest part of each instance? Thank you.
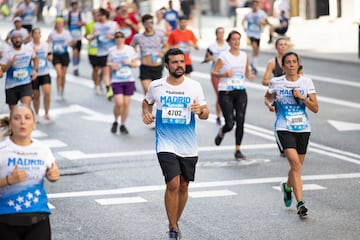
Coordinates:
(112, 187)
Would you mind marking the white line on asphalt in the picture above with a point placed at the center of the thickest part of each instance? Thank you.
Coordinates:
(112, 201)
(77, 155)
(53, 143)
(216, 193)
(199, 185)
(306, 187)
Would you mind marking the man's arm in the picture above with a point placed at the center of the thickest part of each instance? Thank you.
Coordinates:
(148, 117)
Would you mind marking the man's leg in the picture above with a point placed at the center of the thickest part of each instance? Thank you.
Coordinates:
(172, 201)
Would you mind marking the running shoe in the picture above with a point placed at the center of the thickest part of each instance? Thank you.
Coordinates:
(218, 121)
(218, 138)
(287, 195)
(173, 234)
(239, 155)
(123, 130)
(302, 210)
(109, 93)
(76, 72)
(114, 127)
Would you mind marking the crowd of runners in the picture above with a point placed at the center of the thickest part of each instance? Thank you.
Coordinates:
(119, 40)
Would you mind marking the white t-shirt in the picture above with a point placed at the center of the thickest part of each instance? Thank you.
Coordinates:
(27, 196)
(175, 123)
(104, 43)
(60, 41)
(28, 17)
(124, 74)
(20, 72)
(216, 49)
(291, 115)
(42, 51)
(238, 66)
(254, 20)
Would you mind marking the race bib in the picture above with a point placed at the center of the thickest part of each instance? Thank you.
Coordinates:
(126, 31)
(236, 82)
(58, 48)
(42, 63)
(185, 47)
(76, 33)
(175, 115)
(20, 74)
(123, 73)
(296, 121)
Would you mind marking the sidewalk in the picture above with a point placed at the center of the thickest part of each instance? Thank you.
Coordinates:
(323, 38)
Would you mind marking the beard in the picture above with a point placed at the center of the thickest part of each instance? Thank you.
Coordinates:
(177, 75)
(17, 44)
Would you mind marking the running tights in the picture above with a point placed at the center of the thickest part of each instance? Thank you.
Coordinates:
(233, 106)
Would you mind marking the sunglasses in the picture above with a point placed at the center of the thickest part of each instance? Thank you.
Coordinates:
(119, 36)
(149, 22)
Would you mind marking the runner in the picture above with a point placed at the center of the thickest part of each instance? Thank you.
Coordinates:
(120, 60)
(184, 39)
(60, 39)
(75, 21)
(27, 11)
(176, 145)
(255, 19)
(232, 67)
(24, 211)
(274, 68)
(217, 47)
(152, 45)
(104, 30)
(16, 62)
(128, 23)
(92, 51)
(43, 79)
(294, 93)
(26, 37)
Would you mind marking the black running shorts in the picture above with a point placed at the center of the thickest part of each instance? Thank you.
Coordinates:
(173, 165)
(297, 140)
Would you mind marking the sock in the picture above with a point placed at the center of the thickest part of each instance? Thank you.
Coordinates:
(254, 61)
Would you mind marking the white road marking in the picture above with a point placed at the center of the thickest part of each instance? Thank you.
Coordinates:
(126, 200)
(51, 206)
(306, 187)
(216, 193)
(38, 134)
(344, 126)
(53, 143)
(199, 185)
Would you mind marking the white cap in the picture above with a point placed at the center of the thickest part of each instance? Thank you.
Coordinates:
(17, 19)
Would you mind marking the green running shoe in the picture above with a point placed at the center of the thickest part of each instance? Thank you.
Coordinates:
(109, 93)
(287, 195)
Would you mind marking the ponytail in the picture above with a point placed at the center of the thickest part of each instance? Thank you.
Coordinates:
(4, 127)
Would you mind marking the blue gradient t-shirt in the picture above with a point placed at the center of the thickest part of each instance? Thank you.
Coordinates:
(175, 123)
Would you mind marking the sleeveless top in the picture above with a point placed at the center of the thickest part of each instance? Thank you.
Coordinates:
(278, 70)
